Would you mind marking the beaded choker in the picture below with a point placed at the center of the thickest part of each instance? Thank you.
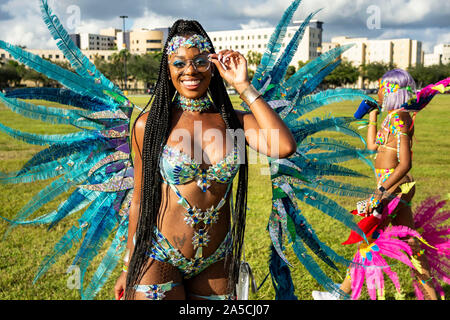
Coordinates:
(200, 104)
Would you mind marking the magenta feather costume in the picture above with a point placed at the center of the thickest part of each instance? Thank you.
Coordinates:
(369, 265)
(429, 222)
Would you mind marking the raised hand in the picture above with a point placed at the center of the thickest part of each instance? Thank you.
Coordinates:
(232, 67)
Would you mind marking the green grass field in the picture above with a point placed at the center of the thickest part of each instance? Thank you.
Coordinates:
(24, 248)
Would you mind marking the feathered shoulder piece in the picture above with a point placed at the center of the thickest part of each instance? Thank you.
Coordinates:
(95, 159)
(424, 96)
(306, 176)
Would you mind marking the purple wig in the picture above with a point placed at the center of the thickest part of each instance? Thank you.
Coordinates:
(397, 99)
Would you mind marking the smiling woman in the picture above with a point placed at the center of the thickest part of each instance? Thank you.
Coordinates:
(190, 92)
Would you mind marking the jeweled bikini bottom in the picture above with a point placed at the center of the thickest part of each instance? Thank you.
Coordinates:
(163, 251)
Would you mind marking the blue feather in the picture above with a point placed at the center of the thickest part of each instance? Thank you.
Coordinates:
(279, 70)
(340, 188)
(57, 187)
(299, 227)
(77, 201)
(41, 140)
(100, 226)
(108, 263)
(302, 129)
(315, 270)
(55, 72)
(327, 206)
(310, 169)
(274, 45)
(75, 234)
(339, 156)
(312, 102)
(71, 237)
(75, 118)
(281, 277)
(74, 203)
(59, 95)
(79, 62)
(58, 151)
(44, 171)
(312, 83)
(313, 67)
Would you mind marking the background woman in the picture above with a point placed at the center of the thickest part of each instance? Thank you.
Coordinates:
(393, 143)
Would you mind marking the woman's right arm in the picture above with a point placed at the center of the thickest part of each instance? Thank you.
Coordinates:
(372, 131)
(137, 142)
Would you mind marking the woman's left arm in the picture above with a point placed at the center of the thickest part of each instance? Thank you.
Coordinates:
(264, 129)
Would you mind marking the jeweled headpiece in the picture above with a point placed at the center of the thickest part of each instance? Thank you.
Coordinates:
(195, 40)
(390, 87)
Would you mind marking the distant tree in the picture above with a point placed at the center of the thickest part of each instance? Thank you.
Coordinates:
(8, 75)
(145, 67)
(301, 64)
(344, 74)
(114, 69)
(424, 76)
(253, 60)
(289, 72)
(375, 70)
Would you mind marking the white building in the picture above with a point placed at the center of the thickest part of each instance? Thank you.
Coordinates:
(440, 55)
(245, 40)
(403, 53)
(379, 51)
(57, 56)
(90, 41)
(356, 54)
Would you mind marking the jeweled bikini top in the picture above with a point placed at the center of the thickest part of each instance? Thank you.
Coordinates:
(178, 168)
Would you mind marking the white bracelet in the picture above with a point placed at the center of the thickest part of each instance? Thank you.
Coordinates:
(127, 256)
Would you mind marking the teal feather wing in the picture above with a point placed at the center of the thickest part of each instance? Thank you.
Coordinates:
(42, 140)
(68, 79)
(60, 96)
(308, 172)
(71, 237)
(79, 62)
(314, 66)
(279, 69)
(273, 47)
(95, 158)
(77, 118)
(312, 102)
(99, 228)
(108, 263)
(74, 235)
(65, 209)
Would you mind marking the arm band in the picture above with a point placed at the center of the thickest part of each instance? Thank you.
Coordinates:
(250, 94)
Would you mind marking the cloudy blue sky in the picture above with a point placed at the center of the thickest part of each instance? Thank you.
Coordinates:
(424, 20)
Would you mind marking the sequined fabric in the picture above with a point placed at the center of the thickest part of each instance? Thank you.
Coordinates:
(163, 251)
(155, 291)
(178, 168)
(196, 40)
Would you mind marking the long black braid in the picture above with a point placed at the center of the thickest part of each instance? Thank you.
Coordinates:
(155, 136)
